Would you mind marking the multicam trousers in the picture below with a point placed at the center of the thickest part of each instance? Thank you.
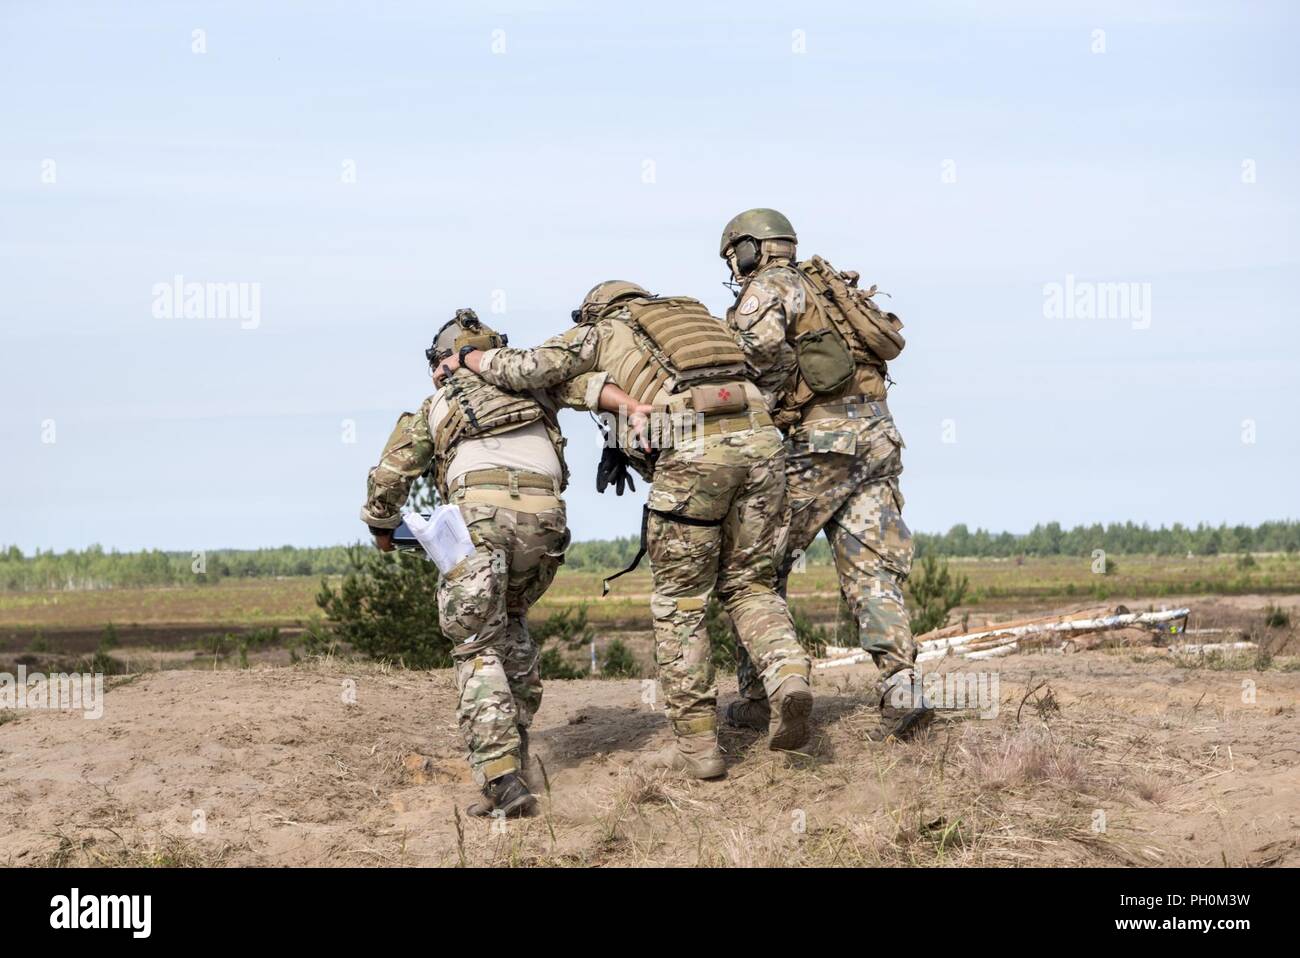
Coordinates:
(483, 607)
(842, 477)
(716, 511)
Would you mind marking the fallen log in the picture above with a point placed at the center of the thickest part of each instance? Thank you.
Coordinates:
(1059, 625)
(1008, 637)
(1200, 648)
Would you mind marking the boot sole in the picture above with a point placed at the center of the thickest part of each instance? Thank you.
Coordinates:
(794, 727)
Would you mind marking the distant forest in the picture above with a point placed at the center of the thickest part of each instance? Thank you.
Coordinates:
(95, 568)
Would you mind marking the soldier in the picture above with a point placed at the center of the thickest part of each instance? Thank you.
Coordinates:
(821, 345)
(715, 504)
(497, 455)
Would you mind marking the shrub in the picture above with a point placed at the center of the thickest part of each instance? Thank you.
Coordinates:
(935, 592)
(618, 662)
(553, 665)
(386, 608)
(568, 627)
(101, 662)
(1276, 617)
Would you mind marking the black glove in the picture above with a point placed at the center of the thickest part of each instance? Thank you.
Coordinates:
(614, 468)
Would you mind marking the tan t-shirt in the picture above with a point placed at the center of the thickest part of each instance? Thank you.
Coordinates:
(527, 447)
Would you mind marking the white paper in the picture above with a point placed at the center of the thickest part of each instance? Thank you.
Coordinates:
(444, 536)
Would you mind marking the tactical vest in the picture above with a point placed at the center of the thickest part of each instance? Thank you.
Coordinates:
(681, 345)
(476, 408)
(842, 339)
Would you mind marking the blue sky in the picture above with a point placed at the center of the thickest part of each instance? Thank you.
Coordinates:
(961, 156)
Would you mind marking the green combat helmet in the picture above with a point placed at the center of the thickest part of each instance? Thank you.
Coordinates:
(464, 329)
(757, 224)
(605, 294)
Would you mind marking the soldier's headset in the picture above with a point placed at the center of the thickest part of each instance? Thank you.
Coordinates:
(746, 253)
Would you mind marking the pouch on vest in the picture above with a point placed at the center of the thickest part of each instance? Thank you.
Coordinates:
(824, 360)
(721, 398)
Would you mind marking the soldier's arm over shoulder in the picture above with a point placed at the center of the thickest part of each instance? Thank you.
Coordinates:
(557, 360)
(407, 454)
(581, 392)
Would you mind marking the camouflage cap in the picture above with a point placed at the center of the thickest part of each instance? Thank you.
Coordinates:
(760, 224)
(604, 294)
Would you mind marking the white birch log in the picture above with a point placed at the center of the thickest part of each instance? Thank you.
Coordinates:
(1195, 648)
(1100, 624)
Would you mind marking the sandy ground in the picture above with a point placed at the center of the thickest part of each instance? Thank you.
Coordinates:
(1116, 757)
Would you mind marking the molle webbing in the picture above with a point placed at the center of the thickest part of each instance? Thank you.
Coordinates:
(646, 382)
(687, 334)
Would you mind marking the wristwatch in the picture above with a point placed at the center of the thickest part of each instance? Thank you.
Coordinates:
(464, 351)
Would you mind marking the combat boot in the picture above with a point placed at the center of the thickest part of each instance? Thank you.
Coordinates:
(900, 716)
(702, 763)
(507, 796)
(750, 713)
(793, 702)
(695, 752)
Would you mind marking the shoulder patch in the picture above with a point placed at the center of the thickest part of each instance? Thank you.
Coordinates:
(749, 305)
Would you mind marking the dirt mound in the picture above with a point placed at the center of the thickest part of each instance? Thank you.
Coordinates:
(1095, 758)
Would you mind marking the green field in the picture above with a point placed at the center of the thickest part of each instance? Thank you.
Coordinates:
(290, 601)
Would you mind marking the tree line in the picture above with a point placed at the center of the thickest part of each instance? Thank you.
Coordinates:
(97, 568)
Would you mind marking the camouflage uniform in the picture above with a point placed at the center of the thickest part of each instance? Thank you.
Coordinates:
(483, 608)
(520, 534)
(716, 506)
(842, 472)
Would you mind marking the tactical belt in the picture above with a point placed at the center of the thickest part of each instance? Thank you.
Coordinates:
(714, 425)
(526, 502)
(851, 407)
(645, 524)
(513, 479)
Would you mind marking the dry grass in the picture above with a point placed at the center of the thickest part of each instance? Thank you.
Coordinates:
(1107, 764)
(115, 851)
(1024, 757)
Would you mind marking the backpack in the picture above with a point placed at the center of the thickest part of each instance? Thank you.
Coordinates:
(852, 324)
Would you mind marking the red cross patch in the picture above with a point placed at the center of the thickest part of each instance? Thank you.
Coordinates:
(724, 394)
